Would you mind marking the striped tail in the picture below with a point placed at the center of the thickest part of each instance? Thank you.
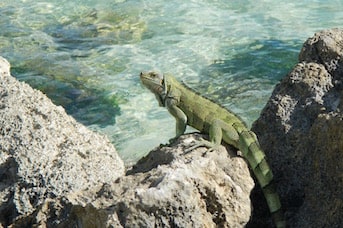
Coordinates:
(250, 148)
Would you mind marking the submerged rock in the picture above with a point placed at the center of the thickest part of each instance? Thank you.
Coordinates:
(300, 130)
(44, 153)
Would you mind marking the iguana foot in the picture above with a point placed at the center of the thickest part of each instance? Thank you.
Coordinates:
(172, 140)
(203, 143)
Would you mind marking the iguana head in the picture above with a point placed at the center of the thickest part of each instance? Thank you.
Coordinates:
(155, 82)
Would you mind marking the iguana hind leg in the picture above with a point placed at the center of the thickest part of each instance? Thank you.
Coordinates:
(218, 131)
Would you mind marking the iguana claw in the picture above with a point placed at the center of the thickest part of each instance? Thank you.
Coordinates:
(203, 143)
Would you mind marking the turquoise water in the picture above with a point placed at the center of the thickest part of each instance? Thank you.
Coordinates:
(87, 55)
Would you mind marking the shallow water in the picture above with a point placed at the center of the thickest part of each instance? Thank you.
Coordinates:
(87, 55)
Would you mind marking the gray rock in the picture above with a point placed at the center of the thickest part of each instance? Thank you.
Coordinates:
(167, 188)
(197, 189)
(44, 153)
(325, 48)
(300, 129)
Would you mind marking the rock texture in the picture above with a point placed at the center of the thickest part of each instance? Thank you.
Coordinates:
(167, 188)
(197, 189)
(300, 130)
(44, 153)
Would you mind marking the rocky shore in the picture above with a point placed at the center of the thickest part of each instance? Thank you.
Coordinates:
(54, 172)
(45, 154)
(300, 130)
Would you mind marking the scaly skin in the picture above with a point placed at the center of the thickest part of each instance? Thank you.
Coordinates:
(189, 108)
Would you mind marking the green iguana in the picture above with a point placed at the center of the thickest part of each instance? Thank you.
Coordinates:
(189, 108)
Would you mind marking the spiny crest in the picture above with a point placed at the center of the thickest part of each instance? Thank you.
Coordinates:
(207, 98)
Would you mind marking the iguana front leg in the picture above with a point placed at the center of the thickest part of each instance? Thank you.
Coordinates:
(171, 103)
(181, 119)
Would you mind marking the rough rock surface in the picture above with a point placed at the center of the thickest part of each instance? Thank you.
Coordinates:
(197, 189)
(300, 130)
(167, 188)
(44, 153)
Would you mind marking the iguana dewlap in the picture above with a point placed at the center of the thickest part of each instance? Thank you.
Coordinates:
(189, 108)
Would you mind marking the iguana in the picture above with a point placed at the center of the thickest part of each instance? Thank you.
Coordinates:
(189, 108)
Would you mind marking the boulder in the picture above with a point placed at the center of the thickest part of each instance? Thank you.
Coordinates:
(44, 153)
(300, 130)
(167, 188)
(196, 189)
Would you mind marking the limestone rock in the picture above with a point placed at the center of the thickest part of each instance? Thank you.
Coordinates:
(326, 48)
(197, 189)
(164, 189)
(300, 129)
(44, 153)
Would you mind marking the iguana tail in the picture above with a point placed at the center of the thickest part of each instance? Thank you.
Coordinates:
(251, 150)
